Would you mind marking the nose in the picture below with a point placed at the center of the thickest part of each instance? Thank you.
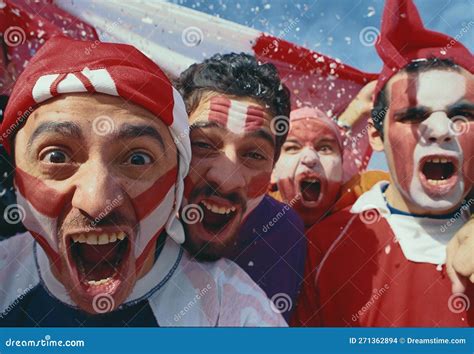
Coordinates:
(309, 157)
(437, 128)
(225, 172)
(96, 190)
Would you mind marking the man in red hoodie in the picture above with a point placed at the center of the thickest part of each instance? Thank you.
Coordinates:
(382, 261)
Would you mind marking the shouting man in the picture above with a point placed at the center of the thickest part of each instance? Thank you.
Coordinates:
(238, 111)
(389, 249)
(101, 150)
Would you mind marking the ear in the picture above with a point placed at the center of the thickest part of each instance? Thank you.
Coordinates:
(375, 139)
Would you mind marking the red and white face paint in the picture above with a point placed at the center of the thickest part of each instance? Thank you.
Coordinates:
(430, 149)
(233, 151)
(309, 171)
(236, 116)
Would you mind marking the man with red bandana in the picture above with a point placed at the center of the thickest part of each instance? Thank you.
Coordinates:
(237, 108)
(100, 145)
(382, 261)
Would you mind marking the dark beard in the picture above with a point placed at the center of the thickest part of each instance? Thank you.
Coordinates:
(210, 251)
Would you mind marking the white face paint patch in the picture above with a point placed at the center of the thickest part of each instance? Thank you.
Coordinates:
(427, 157)
(237, 116)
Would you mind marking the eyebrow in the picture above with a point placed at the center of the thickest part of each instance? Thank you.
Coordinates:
(461, 106)
(66, 129)
(412, 111)
(204, 125)
(132, 131)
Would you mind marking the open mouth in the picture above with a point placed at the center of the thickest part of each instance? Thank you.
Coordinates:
(438, 173)
(216, 217)
(97, 259)
(310, 189)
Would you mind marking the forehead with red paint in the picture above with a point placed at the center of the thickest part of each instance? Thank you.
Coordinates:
(310, 131)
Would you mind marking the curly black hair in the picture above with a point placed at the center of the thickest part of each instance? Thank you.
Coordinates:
(240, 75)
(381, 103)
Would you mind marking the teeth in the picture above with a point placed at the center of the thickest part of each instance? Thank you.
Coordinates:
(216, 209)
(121, 236)
(436, 182)
(98, 282)
(103, 239)
(311, 180)
(438, 160)
(91, 239)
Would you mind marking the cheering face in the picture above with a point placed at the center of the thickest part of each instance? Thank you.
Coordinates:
(233, 150)
(86, 167)
(429, 138)
(309, 171)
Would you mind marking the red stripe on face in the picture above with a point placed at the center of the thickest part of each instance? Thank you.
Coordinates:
(219, 110)
(141, 259)
(255, 118)
(147, 201)
(86, 82)
(53, 255)
(188, 186)
(44, 199)
(54, 85)
(259, 185)
(404, 93)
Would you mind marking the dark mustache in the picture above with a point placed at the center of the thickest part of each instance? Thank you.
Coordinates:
(82, 220)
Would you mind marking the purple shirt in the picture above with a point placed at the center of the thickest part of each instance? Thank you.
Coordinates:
(271, 248)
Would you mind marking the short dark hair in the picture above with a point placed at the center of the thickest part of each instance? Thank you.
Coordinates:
(381, 101)
(240, 75)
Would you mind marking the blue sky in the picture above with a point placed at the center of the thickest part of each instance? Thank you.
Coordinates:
(332, 27)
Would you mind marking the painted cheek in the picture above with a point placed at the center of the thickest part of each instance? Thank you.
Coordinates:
(286, 166)
(286, 187)
(36, 192)
(332, 166)
(258, 185)
(149, 200)
(402, 146)
(41, 217)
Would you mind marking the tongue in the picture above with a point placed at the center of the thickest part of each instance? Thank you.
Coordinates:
(310, 191)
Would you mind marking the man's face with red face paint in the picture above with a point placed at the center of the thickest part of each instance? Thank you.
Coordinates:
(88, 184)
(429, 139)
(233, 151)
(309, 170)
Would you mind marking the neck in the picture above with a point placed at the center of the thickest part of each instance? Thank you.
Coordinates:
(398, 201)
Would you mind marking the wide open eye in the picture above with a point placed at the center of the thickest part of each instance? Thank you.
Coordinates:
(55, 156)
(139, 158)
